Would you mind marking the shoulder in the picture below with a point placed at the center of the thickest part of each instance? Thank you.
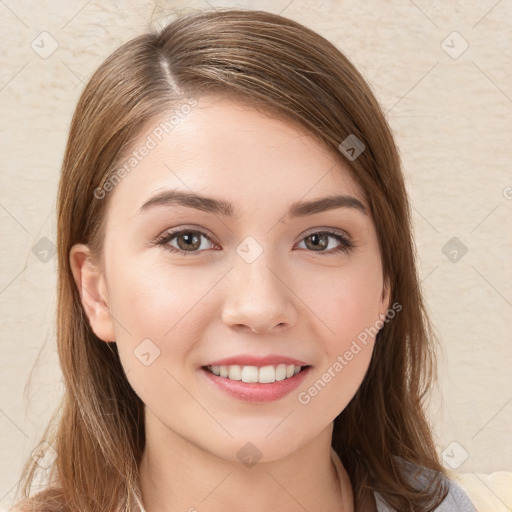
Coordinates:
(456, 499)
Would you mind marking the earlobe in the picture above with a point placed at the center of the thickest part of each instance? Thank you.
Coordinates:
(90, 283)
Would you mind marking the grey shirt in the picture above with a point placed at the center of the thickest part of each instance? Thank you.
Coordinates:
(455, 501)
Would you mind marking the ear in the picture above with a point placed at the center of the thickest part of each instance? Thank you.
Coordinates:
(90, 282)
(385, 297)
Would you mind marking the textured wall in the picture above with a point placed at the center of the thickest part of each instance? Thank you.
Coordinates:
(441, 71)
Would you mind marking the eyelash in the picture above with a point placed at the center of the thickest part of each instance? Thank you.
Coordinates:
(345, 244)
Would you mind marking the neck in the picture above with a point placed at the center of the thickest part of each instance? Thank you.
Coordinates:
(177, 475)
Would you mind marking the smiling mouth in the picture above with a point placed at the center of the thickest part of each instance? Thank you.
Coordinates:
(261, 375)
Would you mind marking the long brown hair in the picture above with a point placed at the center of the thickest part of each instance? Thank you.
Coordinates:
(286, 69)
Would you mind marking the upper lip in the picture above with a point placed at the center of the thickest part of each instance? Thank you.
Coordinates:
(247, 360)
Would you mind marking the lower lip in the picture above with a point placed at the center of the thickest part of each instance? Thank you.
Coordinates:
(255, 391)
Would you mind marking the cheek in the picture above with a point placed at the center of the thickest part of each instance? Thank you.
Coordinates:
(348, 310)
(347, 302)
(160, 313)
(152, 300)
(336, 383)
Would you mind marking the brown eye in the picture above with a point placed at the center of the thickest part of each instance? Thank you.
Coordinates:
(187, 241)
(320, 241)
(317, 241)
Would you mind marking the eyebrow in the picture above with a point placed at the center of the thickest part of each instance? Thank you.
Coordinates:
(221, 207)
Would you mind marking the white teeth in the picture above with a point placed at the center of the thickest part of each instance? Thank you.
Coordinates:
(235, 372)
(281, 371)
(263, 375)
(267, 374)
(250, 374)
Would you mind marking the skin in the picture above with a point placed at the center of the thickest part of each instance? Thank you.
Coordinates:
(292, 300)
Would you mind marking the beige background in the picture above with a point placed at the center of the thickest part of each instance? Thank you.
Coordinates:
(450, 108)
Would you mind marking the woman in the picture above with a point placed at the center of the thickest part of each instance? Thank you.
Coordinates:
(240, 323)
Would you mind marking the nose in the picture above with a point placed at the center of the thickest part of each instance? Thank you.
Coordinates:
(258, 298)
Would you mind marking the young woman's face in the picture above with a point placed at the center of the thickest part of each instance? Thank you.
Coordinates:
(249, 275)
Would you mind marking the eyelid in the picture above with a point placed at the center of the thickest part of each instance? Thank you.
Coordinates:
(335, 231)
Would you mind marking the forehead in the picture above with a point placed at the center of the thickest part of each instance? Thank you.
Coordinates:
(226, 148)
